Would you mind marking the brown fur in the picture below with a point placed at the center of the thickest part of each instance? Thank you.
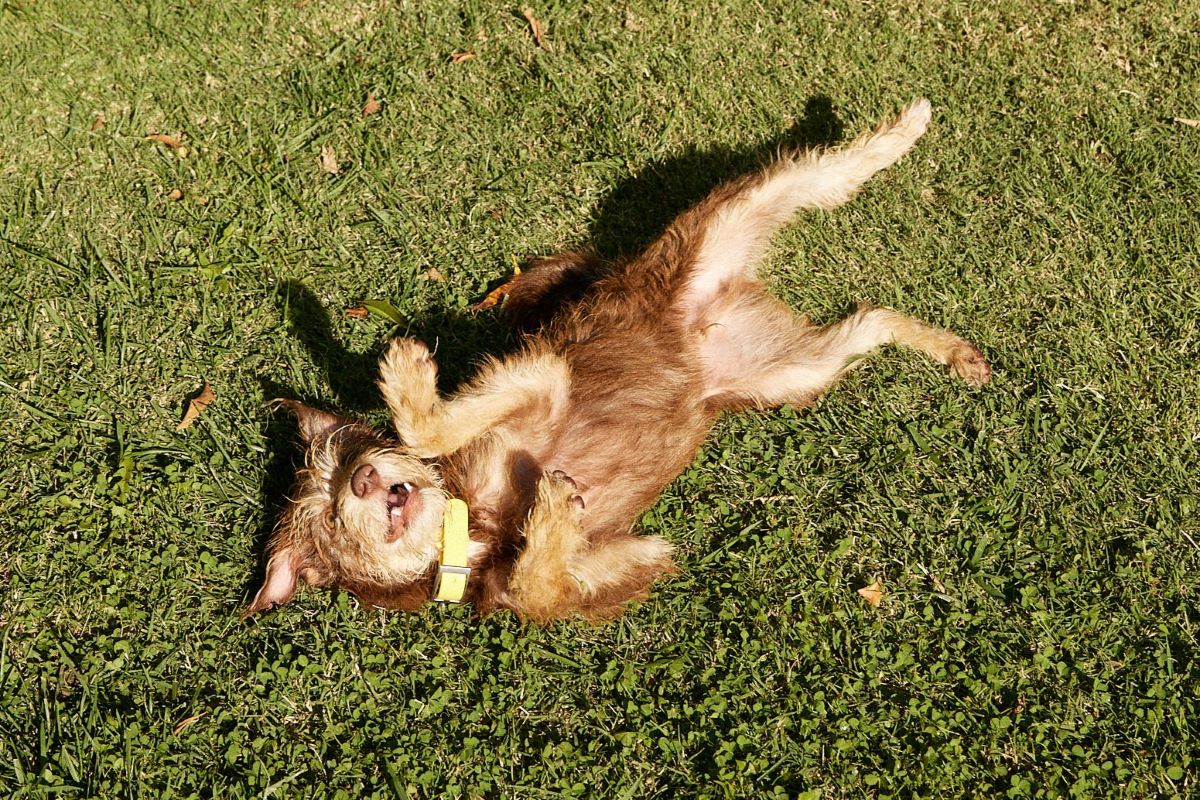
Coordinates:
(558, 448)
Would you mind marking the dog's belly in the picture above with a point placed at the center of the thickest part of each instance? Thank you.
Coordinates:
(634, 422)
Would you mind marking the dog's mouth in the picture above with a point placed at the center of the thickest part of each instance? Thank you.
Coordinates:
(398, 497)
(403, 503)
(402, 498)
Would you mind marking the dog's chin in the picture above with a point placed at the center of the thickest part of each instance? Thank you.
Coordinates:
(412, 537)
(391, 537)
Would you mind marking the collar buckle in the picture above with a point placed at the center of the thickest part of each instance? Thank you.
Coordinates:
(450, 584)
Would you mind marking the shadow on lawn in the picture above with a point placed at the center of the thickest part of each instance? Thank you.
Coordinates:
(640, 208)
(627, 219)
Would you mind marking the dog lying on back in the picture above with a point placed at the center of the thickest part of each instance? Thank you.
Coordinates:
(558, 448)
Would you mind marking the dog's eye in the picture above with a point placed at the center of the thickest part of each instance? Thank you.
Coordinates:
(331, 518)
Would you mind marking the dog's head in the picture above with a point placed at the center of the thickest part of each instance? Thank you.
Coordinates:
(363, 513)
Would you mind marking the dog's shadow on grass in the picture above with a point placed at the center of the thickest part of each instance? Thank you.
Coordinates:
(641, 207)
(629, 217)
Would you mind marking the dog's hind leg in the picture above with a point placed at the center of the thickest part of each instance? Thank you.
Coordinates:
(757, 353)
(618, 570)
(724, 236)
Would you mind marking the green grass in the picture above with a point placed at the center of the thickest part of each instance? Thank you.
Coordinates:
(1037, 539)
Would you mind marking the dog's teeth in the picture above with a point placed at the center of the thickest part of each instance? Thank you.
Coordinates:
(408, 487)
(395, 512)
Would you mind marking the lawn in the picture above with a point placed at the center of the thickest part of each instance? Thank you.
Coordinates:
(1037, 540)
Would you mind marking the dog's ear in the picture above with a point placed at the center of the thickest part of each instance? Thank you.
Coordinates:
(313, 422)
(286, 566)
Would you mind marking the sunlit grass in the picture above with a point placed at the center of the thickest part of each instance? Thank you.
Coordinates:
(1037, 540)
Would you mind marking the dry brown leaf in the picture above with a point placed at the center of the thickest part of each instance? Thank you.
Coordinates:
(372, 106)
(169, 141)
(98, 122)
(535, 25)
(200, 200)
(175, 194)
(432, 274)
(500, 292)
(1191, 123)
(873, 593)
(461, 56)
(357, 312)
(186, 723)
(494, 296)
(329, 162)
(196, 406)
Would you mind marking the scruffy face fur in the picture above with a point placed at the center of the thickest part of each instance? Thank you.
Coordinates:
(362, 511)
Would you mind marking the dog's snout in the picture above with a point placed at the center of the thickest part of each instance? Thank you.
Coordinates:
(365, 479)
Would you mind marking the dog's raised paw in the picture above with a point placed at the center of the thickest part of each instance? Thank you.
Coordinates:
(408, 353)
(408, 373)
(916, 115)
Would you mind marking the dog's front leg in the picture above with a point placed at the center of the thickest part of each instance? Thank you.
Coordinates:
(542, 587)
(560, 573)
(534, 385)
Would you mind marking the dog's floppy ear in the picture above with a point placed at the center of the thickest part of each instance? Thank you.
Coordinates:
(285, 568)
(313, 422)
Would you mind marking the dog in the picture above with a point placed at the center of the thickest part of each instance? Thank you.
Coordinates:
(557, 449)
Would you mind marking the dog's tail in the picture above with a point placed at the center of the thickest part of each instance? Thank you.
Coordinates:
(727, 232)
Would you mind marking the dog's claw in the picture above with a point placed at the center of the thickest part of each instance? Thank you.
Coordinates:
(575, 499)
(972, 366)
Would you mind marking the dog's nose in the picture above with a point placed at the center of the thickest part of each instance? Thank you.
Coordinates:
(365, 479)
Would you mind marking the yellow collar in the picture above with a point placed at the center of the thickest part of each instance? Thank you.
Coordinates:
(453, 572)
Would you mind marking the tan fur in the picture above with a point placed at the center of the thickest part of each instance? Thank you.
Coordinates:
(541, 583)
(558, 448)
(534, 385)
(617, 562)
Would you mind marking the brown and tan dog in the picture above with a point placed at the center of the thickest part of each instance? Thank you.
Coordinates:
(558, 448)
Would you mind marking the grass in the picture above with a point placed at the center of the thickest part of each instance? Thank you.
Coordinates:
(1037, 540)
